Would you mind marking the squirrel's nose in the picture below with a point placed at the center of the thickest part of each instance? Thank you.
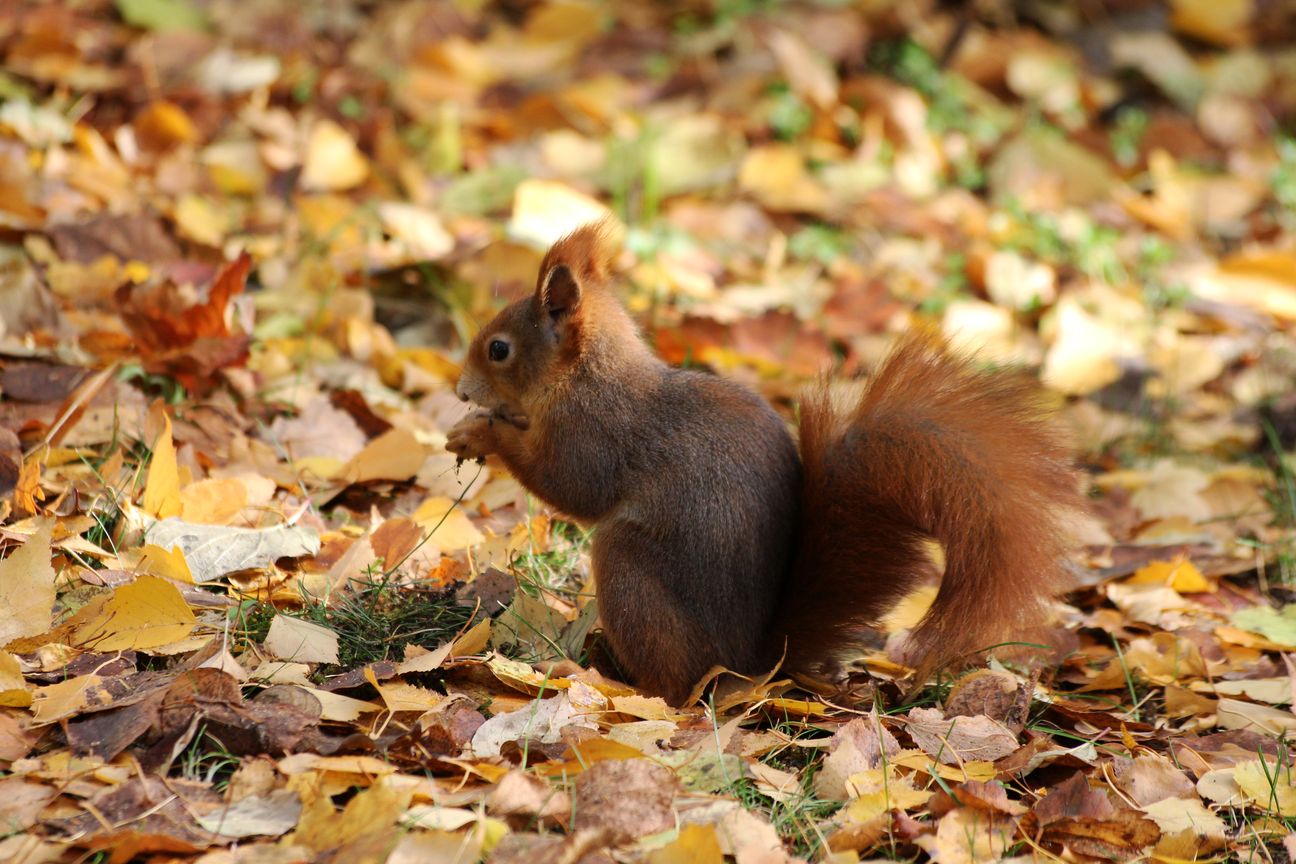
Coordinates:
(459, 391)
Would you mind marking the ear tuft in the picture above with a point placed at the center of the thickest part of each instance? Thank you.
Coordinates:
(588, 252)
(560, 293)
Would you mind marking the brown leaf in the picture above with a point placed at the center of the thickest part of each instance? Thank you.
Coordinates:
(958, 739)
(11, 460)
(21, 802)
(128, 237)
(106, 734)
(190, 339)
(991, 797)
(1151, 777)
(1120, 837)
(628, 798)
(526, 795)
(16, 739)
(158, 813)
(1073, 799)
(1000, 696)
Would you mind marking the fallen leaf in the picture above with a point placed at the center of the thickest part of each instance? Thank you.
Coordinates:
(627, 798)
(1179, 574)
(959, 739)
(27, 588)
(451, 529)
(162, 488)
(14, 691)
(255, 816)
(301, 641)
(696, 844)
(545, 210)
(1268, 786)
(146, 613)
(213, 551)
(395, 455)
(333, 162)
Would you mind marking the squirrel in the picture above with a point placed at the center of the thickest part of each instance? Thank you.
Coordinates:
(719, 542)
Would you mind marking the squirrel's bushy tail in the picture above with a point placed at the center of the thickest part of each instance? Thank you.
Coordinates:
(938, 449)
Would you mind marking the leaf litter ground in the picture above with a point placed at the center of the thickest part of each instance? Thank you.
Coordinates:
(251, 611)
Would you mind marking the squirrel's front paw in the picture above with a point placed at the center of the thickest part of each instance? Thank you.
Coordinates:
(473, 437)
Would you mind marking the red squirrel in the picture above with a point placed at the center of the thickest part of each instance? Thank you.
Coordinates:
(716, 542)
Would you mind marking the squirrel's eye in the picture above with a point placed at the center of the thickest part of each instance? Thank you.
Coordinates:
(498, 350)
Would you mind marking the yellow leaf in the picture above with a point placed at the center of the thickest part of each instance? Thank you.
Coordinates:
(644, 707)
(330, 217)
(137, 271)
(333, 161)
(14, 692)
(400, 696)
(199, 219)
(473, 641)
(163, 124)
(235, 167)
(156, 561)
(1223, 22)
(973, 769)
(696, 844)
(62, 700)
(910, 610)
(418, 228)
(322, 467)
(340, 709)
(146, 613)
(1268, 785)
(1083, 356)
(373, 809)
(799, 707)
(545, 210)
(27, 588)
(418, 659)
(453, 530)
(898, 794)
(522, 676)
(1181, 575)
(213, 502)
(776, 175)
(27, 490)
(426, 359)
(394, 455)
(162, 489)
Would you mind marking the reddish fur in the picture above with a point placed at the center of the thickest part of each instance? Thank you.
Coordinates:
(693, 481)
(589, 251)
(934, 448)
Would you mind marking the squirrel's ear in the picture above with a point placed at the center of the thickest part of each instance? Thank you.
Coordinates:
(560, 293)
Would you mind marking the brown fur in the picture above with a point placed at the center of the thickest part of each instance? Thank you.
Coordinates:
(698, 495)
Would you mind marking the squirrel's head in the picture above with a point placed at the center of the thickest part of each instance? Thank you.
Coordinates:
(536, 343)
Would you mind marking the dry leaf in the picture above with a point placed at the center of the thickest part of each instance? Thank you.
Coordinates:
(27, 588)
(301, 641)
(213, 551)
(332, 162)
(394, 455)
(147, 613)
(162, 488)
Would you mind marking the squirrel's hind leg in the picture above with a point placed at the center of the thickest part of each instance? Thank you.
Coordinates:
(663, 648)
